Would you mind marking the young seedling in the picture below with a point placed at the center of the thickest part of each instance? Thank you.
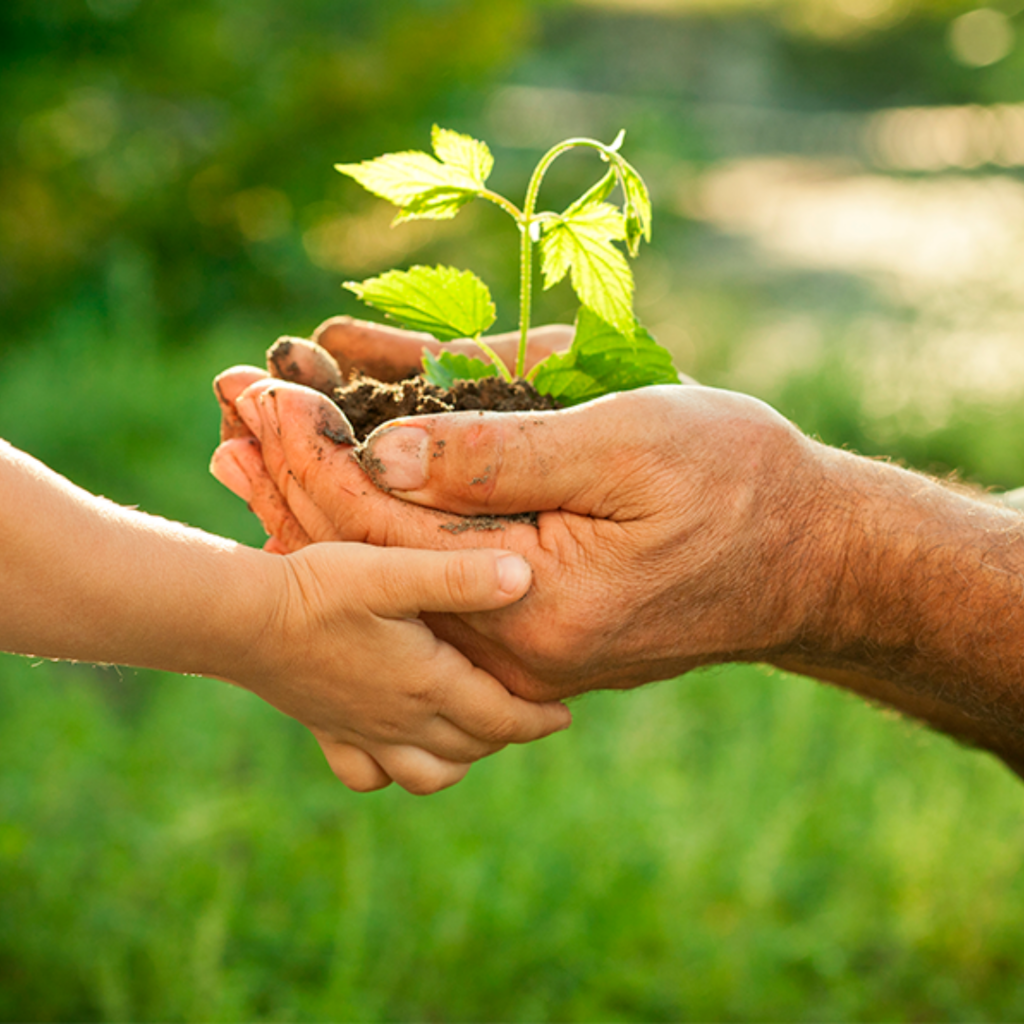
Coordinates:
(611, 351)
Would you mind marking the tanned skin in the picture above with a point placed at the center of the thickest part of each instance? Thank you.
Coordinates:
(927, 609)
(677, 527)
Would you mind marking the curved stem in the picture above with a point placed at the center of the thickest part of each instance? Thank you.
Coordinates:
(499, 200)
(528, 219)
(499, 363)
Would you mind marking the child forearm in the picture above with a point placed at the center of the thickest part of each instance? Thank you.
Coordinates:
(82, 578)
(329, 635)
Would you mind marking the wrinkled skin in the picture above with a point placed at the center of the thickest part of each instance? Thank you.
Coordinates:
(685, 543)
(677, 526)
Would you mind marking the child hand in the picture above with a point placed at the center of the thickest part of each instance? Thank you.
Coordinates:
(344, 653)
(329, 635)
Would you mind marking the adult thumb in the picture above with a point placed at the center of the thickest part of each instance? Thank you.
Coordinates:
(477, 463)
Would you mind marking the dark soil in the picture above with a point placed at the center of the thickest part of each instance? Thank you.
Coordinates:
(367, 403)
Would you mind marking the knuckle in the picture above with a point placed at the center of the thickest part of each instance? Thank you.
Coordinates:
(484, 447)
(428, 690)
(462, 576)
(503, 727)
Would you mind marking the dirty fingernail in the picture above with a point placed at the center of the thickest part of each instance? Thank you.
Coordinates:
(396, 459)
(227, 469)
(514, 574)
(268, 408)
(246, 408)
(304, 362)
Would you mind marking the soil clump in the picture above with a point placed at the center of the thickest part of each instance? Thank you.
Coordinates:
(367, 403)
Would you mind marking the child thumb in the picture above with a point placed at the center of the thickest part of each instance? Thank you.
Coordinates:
(411, 580)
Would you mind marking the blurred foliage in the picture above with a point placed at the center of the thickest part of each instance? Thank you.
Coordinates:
(197, 138)
(734, 847)
(200, 136)
(739, 845)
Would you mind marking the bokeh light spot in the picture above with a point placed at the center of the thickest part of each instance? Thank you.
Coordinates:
(982, 37)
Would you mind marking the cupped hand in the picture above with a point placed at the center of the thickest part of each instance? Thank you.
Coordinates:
(671, 529)
(344, 346)
(390, 353)
(420, 753)
(345, 653)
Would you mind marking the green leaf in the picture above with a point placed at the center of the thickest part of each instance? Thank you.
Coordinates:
(636, 201)
(424, 187)
(437, 204)
(595, 194)
(402, 177)
(580, 242)
(602, 360)
(462, 152)
(448, 367)
(448, 303)
(637, 207)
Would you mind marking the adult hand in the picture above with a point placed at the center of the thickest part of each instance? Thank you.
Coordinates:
(344, 346)
(677, 527)
(487, 716)
(651, 553)
(390, 353)
(716, 532)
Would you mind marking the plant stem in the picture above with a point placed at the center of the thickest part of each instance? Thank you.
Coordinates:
(526, 221)
(525, 272)
(525, 294)
(499, 200)
(503, 370)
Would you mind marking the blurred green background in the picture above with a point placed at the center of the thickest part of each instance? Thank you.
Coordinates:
(839, 228)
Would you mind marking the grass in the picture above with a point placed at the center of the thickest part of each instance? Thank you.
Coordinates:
(738, 845)
(735, 846)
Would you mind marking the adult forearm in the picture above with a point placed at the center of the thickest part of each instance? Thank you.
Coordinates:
(82, 578)
(921, 601)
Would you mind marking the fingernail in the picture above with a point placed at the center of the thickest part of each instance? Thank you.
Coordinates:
(246, 408)
(268, 408)
(396, 458)
(514, 574)
(227, 469)
(334, 425)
